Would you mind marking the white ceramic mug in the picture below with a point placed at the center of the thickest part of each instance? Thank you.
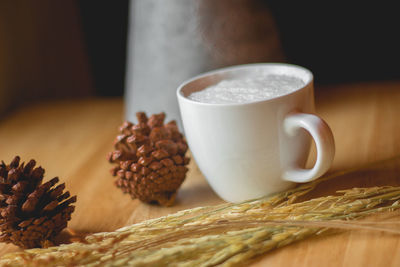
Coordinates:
(248, 150)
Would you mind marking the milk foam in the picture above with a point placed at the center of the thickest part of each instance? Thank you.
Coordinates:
(248, 89)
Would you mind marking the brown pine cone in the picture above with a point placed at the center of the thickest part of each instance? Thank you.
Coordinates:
(150, 158)
(32, 213)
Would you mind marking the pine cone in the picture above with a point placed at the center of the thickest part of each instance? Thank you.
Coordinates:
(150, 158)
(31, 213)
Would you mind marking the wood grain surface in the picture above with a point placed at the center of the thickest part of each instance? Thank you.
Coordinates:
(70, 139)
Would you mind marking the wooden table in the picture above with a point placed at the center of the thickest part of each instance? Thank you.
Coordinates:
(70, 139)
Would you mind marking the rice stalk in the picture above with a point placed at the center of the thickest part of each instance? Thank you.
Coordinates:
(223, 235)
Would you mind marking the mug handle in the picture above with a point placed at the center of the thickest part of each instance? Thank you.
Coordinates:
(322, 135)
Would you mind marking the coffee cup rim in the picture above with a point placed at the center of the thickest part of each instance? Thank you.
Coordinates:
(309, 80)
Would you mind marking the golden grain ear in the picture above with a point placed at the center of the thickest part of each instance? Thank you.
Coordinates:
(224, 234)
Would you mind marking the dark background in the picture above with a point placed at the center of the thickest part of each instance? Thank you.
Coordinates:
(105, 33)
(339, 42)
(62, 49)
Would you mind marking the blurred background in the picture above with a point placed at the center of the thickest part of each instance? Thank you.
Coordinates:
(73, 49)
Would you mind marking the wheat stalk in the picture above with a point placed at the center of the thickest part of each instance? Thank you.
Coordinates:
(223, 235)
